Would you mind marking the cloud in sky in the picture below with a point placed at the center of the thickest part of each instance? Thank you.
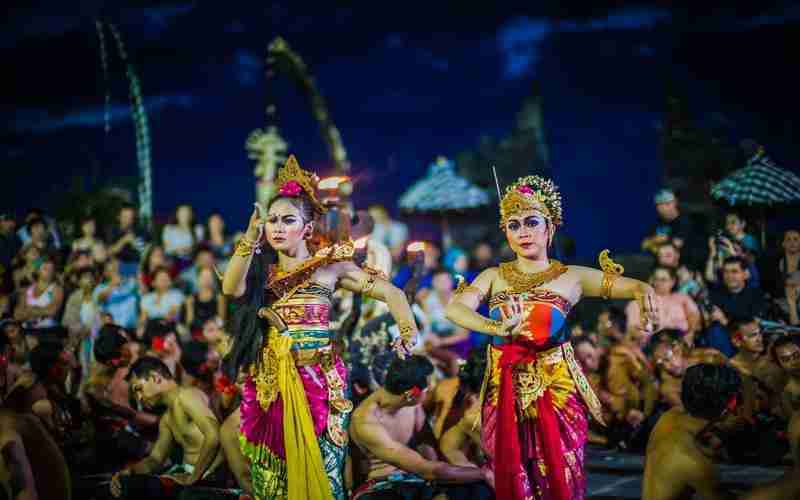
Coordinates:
(248, 67)
(40, 120)
(158, 19)
(520, 40)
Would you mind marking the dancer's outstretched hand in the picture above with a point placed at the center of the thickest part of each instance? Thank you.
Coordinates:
(513, 317)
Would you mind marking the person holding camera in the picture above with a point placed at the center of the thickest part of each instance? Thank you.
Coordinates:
(732, 241)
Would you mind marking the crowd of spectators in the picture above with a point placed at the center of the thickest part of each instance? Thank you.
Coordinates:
(77, 315)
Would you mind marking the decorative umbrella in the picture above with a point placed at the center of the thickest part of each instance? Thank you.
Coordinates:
(442, 192)
(759, 183)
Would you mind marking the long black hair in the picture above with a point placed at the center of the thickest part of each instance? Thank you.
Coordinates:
(247, 330)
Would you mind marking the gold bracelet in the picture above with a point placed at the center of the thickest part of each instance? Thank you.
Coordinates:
(407, 330)
(639, 297)
(494, 326)
(245, 247)
(611, 271)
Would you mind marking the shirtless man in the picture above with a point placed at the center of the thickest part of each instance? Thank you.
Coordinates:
(460, 442)
(384, 424)
(786, 352)
(107, 395)
(629, 377)
(588, 354)
(680, 452)
(31, 464)
(670, 362)
(763, 378)
(187, 422)
(449, 399)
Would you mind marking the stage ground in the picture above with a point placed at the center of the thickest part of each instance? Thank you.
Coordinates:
(616, 475)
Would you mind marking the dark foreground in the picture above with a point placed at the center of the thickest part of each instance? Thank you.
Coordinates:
(617, 475)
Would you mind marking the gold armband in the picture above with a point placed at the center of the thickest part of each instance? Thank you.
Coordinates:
(611, 271)
(464, 288)
(245, 247)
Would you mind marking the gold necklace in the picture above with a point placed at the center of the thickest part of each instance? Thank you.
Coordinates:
(521, 282)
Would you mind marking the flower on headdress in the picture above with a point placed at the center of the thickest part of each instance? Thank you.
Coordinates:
(525, 189)
(290, 188)
(158, 344)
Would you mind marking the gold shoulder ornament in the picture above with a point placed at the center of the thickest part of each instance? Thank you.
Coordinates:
(611, 271)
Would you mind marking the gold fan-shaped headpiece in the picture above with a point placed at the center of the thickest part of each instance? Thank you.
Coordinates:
(532, 193)
(291, 179)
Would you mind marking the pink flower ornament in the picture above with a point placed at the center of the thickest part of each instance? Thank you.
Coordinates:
(290, 188)
(525, 190)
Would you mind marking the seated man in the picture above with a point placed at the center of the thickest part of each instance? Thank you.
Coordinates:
(631, 384)
(187, 422)
(670, 362)
(450, 398)
(119, 426)
(762, 384)
(42, 391)
(681, 449)
(31, 464)
(755, 365)
(786, 352)
(588, 355)
(731, 301)
(461, 441)
(384, 425)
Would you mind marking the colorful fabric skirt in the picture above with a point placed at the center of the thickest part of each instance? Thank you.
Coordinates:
(294, 426)
(548, 424)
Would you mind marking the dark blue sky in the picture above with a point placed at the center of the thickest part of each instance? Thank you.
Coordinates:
(403, 85)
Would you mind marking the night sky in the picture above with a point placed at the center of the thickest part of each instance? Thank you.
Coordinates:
(403, 85)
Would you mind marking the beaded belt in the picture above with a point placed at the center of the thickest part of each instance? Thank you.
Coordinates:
(307, 357)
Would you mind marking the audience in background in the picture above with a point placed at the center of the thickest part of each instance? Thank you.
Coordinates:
(70, 333)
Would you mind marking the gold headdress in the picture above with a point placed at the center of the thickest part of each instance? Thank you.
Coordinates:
(532, 193)
(292, 179)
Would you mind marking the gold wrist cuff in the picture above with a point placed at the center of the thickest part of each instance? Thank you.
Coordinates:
(407, 330)
(368, 284)
(245, 247)
(493, 326)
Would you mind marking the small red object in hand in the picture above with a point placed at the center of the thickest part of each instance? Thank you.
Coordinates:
(223, 385)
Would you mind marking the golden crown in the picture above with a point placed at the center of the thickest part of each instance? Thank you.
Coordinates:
(532, 193)
(291, 179)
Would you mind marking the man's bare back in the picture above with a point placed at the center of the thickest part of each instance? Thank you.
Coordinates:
(25, 435)
(369, 419)
(184, 430)
(677, 464)
(674, 463)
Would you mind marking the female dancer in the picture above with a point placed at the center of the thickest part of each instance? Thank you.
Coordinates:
(294, 410)
(535, 396)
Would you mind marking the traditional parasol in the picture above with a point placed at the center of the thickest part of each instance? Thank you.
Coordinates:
(760, 183)
(443, 192)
